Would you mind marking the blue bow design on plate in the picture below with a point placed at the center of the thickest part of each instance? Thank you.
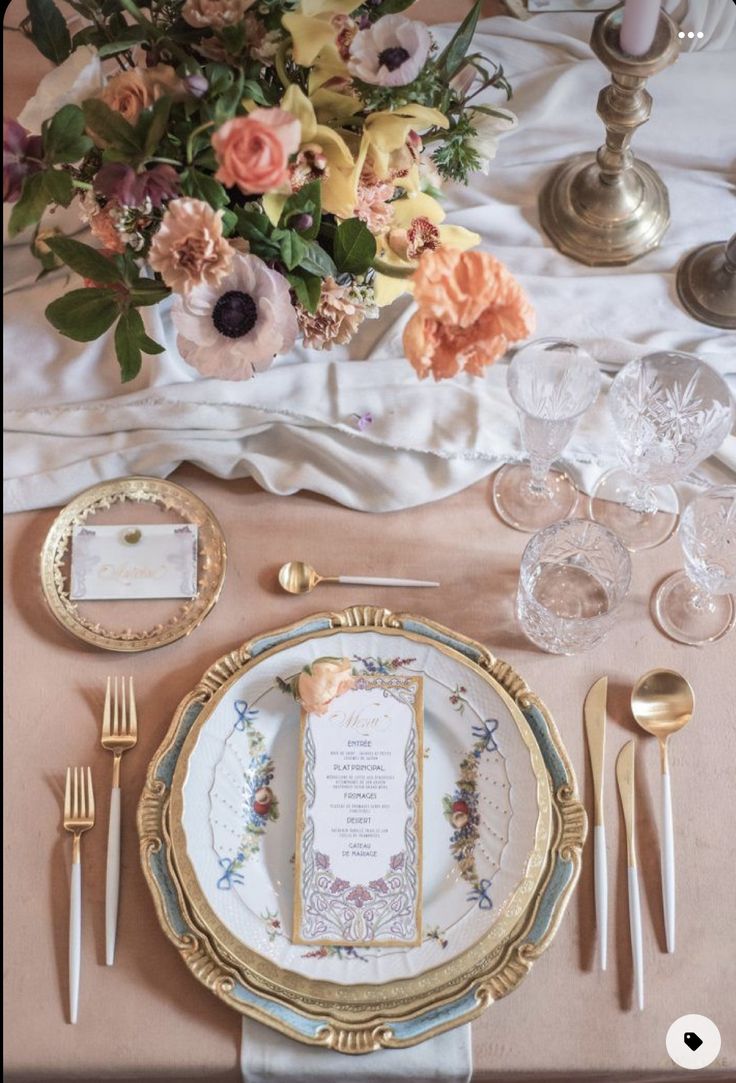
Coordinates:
(480, 895)
(230, 876)
(245, 714)
(484, 734)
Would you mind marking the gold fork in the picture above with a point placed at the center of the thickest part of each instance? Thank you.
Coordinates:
(119, 733)
(79, 816)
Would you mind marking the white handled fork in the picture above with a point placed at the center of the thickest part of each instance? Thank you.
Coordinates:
(79, 816)
(119, 733)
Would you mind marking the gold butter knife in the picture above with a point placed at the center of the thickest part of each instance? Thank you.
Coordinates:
(625, 779)
(594, 713)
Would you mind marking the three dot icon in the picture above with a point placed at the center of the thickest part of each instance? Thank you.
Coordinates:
(690, 34)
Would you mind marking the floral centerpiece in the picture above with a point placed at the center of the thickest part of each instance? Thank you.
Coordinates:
(274, 165)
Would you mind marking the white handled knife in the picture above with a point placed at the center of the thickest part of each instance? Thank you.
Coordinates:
(625, 779)
(594, 712)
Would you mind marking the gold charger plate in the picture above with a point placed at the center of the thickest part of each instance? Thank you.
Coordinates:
(100, 624)
(358, 1018)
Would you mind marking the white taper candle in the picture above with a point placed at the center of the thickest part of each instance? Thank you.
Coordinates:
(639, 26)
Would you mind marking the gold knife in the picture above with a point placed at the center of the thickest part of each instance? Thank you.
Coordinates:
(594, 712)
(625, 779)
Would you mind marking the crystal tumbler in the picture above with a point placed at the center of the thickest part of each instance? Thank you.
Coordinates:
(574, 576)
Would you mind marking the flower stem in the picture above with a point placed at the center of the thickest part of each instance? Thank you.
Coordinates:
(192, 136)
(279, 61)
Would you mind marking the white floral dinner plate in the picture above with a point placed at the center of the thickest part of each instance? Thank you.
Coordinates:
(501, 837)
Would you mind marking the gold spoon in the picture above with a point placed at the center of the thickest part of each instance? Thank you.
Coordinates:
(662, 702)
(299, 578)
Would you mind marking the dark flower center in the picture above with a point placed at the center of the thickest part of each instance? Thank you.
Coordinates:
(392, 58)
(235, 314)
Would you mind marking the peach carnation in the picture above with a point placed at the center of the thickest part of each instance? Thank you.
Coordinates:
(215, 13)
(470, 310)
(189, 249)
(253, 152)
(130, 92)
(338, 316)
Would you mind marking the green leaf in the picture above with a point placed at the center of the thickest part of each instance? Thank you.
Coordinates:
(132, 35)
(233, 37)
(49, 30)
(229, 221)
(63, 137)
(256, 93)
(307, 289)
(84, 314)
(317, 262)
(144, 292)
(355, 247)
(31, 205)
(453, 57)
(152, 125)
(127, 350)
(59, 187)
(85, 260)
(308, 200)
(130, 341)
(292, 248)
(110, 126)
(203, 186)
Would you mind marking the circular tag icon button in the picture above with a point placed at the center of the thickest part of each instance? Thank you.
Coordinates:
(693, 1041)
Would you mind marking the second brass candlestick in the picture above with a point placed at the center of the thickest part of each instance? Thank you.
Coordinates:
(610, 208)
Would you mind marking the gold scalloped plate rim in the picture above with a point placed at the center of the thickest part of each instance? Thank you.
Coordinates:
(212, 557)
(495, 975)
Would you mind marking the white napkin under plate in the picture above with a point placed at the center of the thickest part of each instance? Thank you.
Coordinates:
(267, 1057)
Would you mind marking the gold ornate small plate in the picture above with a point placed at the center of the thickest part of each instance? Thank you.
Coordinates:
(135, 625)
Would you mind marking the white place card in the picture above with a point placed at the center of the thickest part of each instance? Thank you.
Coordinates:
(146, 561)
(358, 871)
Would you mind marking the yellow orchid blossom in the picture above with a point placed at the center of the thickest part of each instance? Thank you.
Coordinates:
(405, 211)
(339, 183)
(387, 132)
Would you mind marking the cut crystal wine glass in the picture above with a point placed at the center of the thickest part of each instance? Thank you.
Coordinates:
(696, 605)
(670, 411)
(552, 383)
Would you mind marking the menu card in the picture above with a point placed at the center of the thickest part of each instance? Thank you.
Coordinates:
(358, 875)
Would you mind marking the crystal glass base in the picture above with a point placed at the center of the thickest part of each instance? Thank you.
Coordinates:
(691, 616)
(636, 529)
(523, 507)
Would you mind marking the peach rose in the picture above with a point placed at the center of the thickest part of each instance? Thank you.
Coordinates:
(470, 310)
(253, 151)
(130, 92)
(323, 681)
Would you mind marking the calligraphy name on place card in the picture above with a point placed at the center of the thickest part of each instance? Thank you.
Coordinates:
(358, 867)
(123, 562)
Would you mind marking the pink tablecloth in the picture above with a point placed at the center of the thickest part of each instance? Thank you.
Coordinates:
(148, 1018)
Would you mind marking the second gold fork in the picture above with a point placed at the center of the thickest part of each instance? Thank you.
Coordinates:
(119, 733)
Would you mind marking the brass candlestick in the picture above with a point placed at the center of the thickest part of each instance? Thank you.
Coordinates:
(706, 283)
(610, 208)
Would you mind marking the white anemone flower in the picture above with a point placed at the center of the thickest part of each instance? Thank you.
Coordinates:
(78, 78)
(391, 52)
(236, 328)
(488, 129)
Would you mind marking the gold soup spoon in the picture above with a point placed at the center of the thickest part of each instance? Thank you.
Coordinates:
(299, 578)
(662, 702)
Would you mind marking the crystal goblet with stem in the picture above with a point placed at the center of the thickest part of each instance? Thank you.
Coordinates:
(670, 412)
(552, 383)
(696, 605)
